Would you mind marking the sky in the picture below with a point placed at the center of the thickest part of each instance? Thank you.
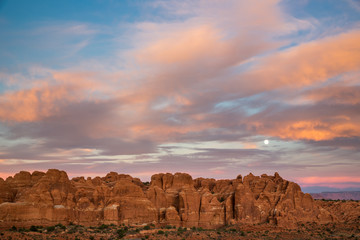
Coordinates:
(142, 87)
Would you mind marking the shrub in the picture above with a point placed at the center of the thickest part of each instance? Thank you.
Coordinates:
(59, 225)
(147, 227)
(168, 227)
(103, 226)
(160, 232)
(33, 228)
(50, 229)
(121, 232)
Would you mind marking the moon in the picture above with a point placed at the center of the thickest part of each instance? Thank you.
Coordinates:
(266, 142)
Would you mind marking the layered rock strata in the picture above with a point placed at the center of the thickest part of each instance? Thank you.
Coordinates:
(170, 199)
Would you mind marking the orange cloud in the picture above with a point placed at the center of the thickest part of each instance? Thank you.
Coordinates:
(184, 46)
(311, 130)
(33, 104)
(250, 146)
(218, 33)
(180, 56)
(43, 98)
(86, 80)
(306, 64)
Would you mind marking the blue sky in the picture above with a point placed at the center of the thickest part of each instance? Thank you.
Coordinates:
(192, 86)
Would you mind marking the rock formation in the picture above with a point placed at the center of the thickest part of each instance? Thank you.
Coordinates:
(342, 211)
(170, 199)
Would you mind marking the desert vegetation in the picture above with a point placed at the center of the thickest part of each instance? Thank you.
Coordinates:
(150, 231)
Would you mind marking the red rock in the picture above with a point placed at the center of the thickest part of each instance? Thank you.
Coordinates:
(48, 198)
(212, 214)
(172, 216)
(7, 194)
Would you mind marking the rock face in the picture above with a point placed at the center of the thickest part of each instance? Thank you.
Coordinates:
(342, 211)
(50, 198)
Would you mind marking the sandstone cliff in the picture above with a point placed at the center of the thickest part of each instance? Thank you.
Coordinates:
(342, 211)
(176, 199)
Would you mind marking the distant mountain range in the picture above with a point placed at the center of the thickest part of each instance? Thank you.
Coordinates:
(350, 195)
(321, 189)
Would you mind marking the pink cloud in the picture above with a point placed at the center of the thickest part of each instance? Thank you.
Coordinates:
(184, 47)
(33, 104)
(45, 97)
(331, 181)
(304, 65)
(180, 55)
(308, 64)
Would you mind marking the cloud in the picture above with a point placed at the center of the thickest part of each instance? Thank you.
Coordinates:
(310, 122)
(336, 94)
(189, 45)
(190, 55)
(354, 4)
(330, 181)
(84, 124)
(303, 65)
(349, 143)
(34, 104)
